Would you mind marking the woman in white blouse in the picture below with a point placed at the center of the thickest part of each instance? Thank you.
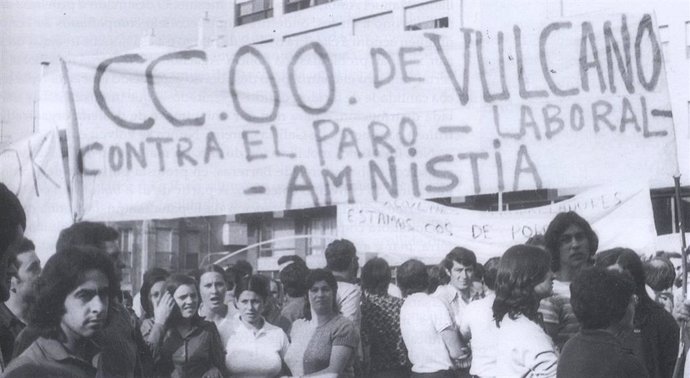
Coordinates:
(255, 347)
(524, 349)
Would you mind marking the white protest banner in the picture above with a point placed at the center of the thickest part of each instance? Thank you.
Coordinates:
(33, 170)
(569, 103)
(402, 229)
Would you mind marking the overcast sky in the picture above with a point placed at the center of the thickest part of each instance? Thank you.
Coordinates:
(33, 31)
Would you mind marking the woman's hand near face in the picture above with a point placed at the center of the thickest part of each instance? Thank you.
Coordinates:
(163, 309)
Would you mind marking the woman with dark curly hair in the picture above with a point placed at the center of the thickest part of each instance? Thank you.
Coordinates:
(152, 289)
(183, 344)
(524, 278)
(323, 344)
(73, 296)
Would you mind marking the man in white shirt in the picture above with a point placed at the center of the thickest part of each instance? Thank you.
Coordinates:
(456, 294)
(342, 261)
(431, 339)
(479, 328)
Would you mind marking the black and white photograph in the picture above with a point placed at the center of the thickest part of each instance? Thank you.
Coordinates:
(344, 188)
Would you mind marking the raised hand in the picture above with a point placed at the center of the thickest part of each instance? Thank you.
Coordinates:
(163, 309)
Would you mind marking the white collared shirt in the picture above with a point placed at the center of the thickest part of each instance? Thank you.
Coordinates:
(255, 353)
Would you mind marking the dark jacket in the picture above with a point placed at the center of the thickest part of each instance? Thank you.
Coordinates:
(598, 354)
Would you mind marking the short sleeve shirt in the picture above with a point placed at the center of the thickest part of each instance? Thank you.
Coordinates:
(478, 324)
(422, 318)
(524, 349)
(338, 331)
(300, 335)
(255, 353)
(557, 309)
(453, 301)
(381, 332)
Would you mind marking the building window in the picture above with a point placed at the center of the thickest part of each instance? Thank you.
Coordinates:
(323, 231)
(665, 212)
(281, 233)
(428, 15)
(165, 258)
(247, 11)
(127, 251)
(192, 248)
(297, 5)
(438, 23)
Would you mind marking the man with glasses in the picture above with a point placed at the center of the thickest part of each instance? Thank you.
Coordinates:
(572, 243)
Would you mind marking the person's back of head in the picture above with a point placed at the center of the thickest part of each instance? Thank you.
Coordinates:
(376, 276)
(340, 255)
(437, 277)
(520, 269)
(412, 277)
(537, 240)
(490, 271)
(293, 275)
(12, 226)
(625, 259)
(11, 215)
(660, 273)
(90, 234)
(243, 268)
(600, 297)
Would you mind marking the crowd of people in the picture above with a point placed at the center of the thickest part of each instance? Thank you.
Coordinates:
(554, 306)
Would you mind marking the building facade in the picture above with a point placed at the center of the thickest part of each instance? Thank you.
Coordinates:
(185, 244)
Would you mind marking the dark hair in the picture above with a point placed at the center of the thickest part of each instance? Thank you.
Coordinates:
(558, 226)
(412, 277)
(256, 283)
(490, 271)
(243, 268)
(629, 261)
(376, 276)
(478, 273)
(536, 240)
(460, 255)
(520, 270)
(151, 276)
(86, 233)
(600, 297)
(437, 276)
(231, 276)
(293, 276)
(660, 273)
(26, 245)
(318, 275)
(172, 283)
(64, 272)
(210, 268)
(339, 255)
(11, 215)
